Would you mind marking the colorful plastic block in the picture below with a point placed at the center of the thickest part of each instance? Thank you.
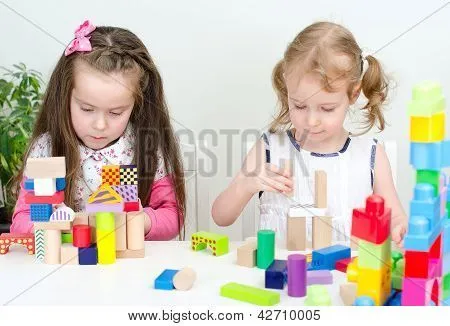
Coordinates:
(425, 203)
(319, 277)
(326, 258)
(445, 153)
(396, 257)
(250, 294)
(395, 299)
(427, 99)
(373, 222)
(88, 256)
(217, 242)
(446, 263)
(353, 271)
(40, 212)
(265, 253)
(24, 239)
(426, 156)
(421, 291)
(374, 256)
(276, 275)
(375, 283)
(420, 235)
(341, 265)
(446, 236)
(317, 295)
(60, 184)
(44, 186)
(297, 275)
(427, 129)
(431, 177)
(364, 301)
(418, 263)
(165, 280)
(446, 285)
(32, 198)
(128, 175)
(129, 193)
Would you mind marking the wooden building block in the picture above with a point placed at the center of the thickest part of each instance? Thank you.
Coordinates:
(184, 279)
(296, 233)
(121, 231)
(135, 230)
(105, 195)
(24, 239)
(91, 219)
(81, 218)
(111, 175)
(250, 294)
(347, 291)
(246, 255)
(130, 253)
(53, 225)
(69, 254)
(39, 241)
(46, 167)
(52, 244)
(44, 186)
(320, 189)
(322, 231)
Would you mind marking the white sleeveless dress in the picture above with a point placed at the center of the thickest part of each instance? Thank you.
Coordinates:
(350, 175)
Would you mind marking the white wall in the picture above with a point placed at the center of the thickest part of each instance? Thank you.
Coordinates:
(216, 57)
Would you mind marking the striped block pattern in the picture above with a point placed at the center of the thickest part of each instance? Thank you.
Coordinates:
(63, 214)
(39, 244)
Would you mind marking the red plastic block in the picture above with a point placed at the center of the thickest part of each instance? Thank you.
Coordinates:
(57, 198)
(341, 265)
(372, 223)
(418, 263)
(131, 206)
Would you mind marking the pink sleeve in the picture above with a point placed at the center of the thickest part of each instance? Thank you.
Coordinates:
(21, 222)
(163, 211)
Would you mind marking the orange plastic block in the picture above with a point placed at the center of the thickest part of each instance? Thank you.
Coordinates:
(25, 239)
(427, 129)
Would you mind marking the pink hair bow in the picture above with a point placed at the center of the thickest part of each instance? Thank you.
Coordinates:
(81, 41)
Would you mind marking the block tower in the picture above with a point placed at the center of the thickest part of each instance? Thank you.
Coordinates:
(371, 226)
(426, 242)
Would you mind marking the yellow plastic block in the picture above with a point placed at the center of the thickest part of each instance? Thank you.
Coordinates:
(427, 129)
(352, 270)
(375, 284)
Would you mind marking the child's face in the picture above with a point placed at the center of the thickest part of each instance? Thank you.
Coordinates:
(100, 105)
(314, 110)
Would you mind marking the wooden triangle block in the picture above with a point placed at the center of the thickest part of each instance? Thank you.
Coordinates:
(105, 195)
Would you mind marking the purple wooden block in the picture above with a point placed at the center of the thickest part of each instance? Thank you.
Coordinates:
(94, 208)
(127, 192)
(296, 275)
(319, 277)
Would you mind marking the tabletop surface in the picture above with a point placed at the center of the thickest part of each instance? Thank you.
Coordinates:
(26, 281)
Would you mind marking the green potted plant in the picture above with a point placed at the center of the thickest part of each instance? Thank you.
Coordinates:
(20, 98)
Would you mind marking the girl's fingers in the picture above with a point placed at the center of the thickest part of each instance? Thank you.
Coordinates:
(275, 169)
(279, 186)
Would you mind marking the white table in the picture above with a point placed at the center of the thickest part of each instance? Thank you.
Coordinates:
(25, 281)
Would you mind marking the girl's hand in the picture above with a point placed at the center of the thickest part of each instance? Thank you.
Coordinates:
(268, 177)
(398, 234)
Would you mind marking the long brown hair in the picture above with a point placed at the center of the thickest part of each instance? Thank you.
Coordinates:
(315, 49)
(114, 50)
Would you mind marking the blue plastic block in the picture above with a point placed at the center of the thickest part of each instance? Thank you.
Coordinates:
(420, 235)
(426, 156)
(60, 184)
(40, 212)
(326, 258)
(364, 301)
(29, 184)
(394, 299)
(445, 153)
(88, 256)
(446, 235)
(426, 204)
(276, 275)
(165, 280)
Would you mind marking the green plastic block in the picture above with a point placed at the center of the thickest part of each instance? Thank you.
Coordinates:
(317, 295)
(429, 176)
(446, 282)
(374, 256)
(265, 253)
(217, 242)
(448, 208)
(66, 238)
(250, 294)
(396, 256)
(398, 274)
(427, 99)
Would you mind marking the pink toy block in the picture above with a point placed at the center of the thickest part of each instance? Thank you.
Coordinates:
(421, 292)
(94, 208)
